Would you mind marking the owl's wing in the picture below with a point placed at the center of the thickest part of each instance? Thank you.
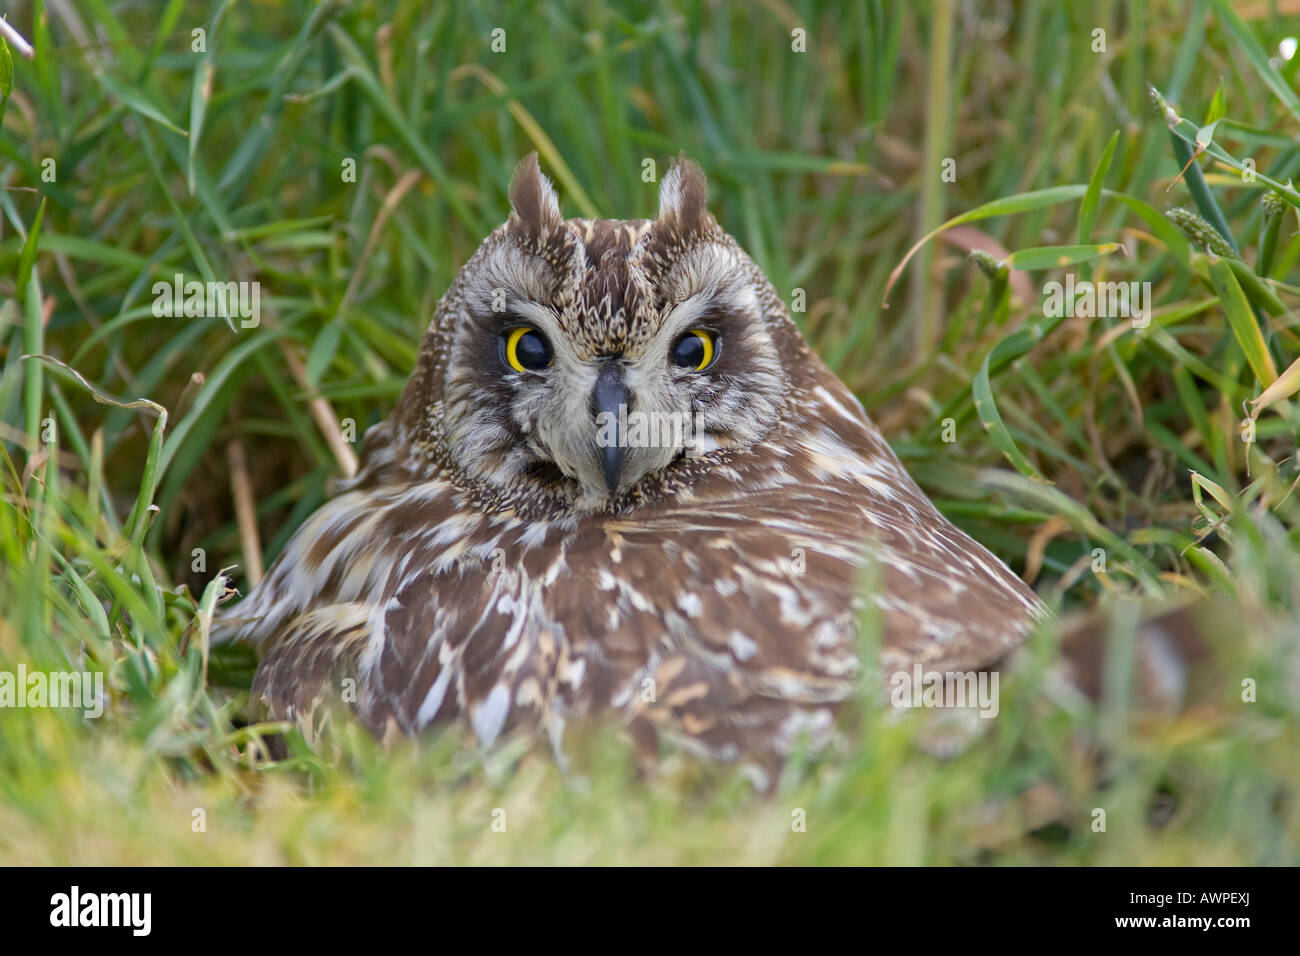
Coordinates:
(730, 615)
(308, 659)
(944, 600)
(736, 629)
(311, 618)
(432, 607)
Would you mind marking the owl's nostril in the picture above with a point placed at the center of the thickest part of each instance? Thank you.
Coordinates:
(610, 403)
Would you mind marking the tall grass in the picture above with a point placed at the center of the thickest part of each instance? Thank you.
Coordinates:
(131, 152)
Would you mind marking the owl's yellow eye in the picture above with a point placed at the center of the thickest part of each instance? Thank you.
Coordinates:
(694, 350)
(525, 349)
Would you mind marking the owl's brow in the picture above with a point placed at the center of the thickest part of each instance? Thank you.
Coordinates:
(524, 312)
(694, 307)
(601, 235)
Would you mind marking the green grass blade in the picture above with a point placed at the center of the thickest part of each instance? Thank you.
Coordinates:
(1242, 320)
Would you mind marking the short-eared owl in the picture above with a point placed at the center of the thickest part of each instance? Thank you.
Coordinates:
(619, 484)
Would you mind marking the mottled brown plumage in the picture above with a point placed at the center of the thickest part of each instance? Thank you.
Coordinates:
(492, 562)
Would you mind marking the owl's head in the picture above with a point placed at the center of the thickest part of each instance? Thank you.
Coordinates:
(589, 360)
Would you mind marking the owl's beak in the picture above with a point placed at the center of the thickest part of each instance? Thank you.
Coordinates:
(610, 397)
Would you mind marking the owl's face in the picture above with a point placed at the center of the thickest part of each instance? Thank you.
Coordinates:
(582, 356)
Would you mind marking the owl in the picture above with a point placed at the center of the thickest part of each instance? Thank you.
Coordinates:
(619, 486)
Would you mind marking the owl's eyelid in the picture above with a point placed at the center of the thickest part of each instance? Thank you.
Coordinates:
(537, 316)
(712, 331)
(714, 335)
(510, 319)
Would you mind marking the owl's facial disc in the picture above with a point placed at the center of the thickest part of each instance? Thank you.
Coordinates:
(601, 420)
(589, 355)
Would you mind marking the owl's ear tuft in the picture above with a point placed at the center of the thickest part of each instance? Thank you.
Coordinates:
(536, 208)
(683, 198)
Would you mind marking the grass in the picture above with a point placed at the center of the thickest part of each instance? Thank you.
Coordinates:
(1074, 436)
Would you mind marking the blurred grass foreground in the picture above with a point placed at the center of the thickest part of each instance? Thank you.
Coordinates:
(349, 157)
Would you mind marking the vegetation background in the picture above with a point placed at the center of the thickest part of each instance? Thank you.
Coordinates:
(1105, 462)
